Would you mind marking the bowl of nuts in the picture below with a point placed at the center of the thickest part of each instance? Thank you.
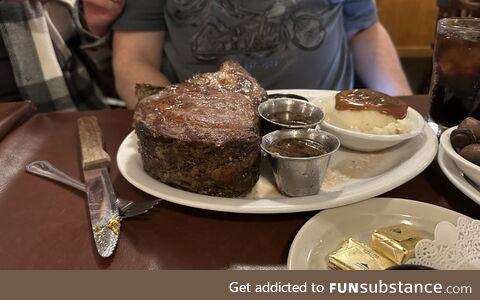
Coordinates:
(462, 144)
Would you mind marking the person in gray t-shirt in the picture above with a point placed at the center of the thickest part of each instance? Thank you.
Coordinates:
(312, 44)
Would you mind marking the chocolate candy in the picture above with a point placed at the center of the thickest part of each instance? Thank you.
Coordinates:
(472, 124)
(471, 153)
(396, 242)
(462, 137)
(354, 255)
(466, 140)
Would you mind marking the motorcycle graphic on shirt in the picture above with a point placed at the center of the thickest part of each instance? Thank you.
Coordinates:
(248, 27)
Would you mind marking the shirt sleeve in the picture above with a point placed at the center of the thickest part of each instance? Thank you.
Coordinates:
(141, 15)
(359, 14)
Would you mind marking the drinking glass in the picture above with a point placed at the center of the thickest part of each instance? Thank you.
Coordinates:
(455, 85)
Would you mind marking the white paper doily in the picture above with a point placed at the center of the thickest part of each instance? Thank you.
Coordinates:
(453, 247)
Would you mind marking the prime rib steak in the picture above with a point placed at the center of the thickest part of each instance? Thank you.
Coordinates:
(203, 135)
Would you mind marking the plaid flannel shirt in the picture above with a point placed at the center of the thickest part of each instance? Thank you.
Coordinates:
(46, 71)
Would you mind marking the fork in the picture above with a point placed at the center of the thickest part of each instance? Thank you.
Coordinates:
(127, 208)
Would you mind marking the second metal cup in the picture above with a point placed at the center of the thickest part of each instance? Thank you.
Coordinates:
(300, 176)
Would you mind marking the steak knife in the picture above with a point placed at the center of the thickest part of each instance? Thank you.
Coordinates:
(104, 213)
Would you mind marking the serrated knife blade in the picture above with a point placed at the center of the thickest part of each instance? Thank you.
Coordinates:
(103, 210)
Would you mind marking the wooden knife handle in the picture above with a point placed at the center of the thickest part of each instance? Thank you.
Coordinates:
(91, 143)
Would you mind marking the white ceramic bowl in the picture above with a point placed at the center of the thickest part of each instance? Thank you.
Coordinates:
(367, 142)
(468, 168)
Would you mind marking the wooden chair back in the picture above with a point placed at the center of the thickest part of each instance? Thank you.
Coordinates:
(460, 8)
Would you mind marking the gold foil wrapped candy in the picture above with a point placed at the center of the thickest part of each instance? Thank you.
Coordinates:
(353, 255)
(395, 242)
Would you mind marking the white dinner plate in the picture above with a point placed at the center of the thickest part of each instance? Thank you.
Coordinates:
(325, 231)
(351, 177)
(454, 174)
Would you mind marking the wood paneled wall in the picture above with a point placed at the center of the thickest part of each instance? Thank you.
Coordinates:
(411, 24)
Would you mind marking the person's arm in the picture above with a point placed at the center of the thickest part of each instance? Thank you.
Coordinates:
(376, 61)
(99, 14)
(137, 57)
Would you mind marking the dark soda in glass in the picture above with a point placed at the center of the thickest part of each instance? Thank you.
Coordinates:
(455, 86)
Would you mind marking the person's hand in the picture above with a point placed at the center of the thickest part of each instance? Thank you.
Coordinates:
(99, 14)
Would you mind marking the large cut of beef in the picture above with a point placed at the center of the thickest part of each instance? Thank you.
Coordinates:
(203, 135)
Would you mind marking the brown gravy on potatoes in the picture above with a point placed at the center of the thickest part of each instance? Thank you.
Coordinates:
(365, 99)
(297, 147)
(290, 118)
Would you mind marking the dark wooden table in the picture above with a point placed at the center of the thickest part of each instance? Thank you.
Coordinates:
(44, 225)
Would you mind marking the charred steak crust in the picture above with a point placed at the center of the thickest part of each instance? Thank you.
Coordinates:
(203, 135)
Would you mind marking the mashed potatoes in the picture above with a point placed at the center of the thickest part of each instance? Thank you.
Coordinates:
(366, 121)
